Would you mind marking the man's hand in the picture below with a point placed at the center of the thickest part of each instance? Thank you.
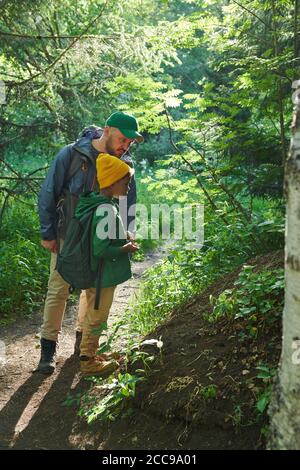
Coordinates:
(50, 245)
(130, 247)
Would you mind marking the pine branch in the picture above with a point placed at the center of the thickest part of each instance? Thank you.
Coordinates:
(54, 37)
(44, 72)
(26, 126)
(253, 14)
(19, 177)
(11, 178)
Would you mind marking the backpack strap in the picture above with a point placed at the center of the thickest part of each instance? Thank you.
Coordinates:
(66, 202)
(78, 161)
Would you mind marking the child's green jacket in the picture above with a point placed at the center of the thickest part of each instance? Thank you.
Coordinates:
(107, 237)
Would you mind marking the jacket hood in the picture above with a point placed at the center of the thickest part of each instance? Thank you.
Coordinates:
(88, 201)
(83, 145)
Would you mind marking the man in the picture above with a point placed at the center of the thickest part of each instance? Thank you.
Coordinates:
(72, 172)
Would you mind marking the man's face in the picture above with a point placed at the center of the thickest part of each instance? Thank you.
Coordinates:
(116, 143)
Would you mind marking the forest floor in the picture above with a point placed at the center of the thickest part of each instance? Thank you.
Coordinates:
(200, 394)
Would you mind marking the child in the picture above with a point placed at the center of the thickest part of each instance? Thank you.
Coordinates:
(113, 248)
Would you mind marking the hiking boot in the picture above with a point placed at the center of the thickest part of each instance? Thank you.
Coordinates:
(91, 366)
(47, 362)
(109, 356)
(77, 343)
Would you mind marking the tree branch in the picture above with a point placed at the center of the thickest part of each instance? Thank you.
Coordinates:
(253, 14)
(20, 179)
(44, 72)
(26, 126)
(54, 37)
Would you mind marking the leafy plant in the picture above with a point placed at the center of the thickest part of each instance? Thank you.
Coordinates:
(210, 391)
(267, 374)
(24, 265)
(237, 415)
(72, 399)
(117, 392)
(258, 297)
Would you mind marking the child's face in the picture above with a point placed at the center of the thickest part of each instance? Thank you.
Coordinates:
(121, 187)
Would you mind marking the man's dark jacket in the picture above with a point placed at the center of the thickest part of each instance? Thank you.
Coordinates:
(55, 182)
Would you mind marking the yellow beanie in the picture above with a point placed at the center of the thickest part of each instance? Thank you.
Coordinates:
(110, 170)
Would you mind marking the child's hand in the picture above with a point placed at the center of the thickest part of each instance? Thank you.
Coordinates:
(130, 247)
(130, 236)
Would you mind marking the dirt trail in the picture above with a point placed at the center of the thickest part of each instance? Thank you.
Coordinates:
(31, 415)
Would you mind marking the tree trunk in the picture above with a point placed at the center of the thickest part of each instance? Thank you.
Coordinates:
(296, 38)
(279, 84)
(285, 406)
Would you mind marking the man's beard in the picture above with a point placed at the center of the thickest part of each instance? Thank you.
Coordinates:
(108, 147)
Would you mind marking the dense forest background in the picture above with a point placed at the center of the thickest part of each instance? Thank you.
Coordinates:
(210, 82)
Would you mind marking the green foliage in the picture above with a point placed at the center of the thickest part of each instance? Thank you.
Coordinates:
(184, 273)
(72, 399)
(210, 391)
(105, 345)
(237, 415)
(267, 374)
(117, 392)
(135, 355)
(258, 297)
(24, 264)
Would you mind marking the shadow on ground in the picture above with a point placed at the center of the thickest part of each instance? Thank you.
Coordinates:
(42, 424)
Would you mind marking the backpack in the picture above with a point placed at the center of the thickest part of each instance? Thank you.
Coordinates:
(67, 202)
(74, 260)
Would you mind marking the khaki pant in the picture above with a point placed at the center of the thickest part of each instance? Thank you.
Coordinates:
(94, 318)
(55, 304)
(81, 311)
